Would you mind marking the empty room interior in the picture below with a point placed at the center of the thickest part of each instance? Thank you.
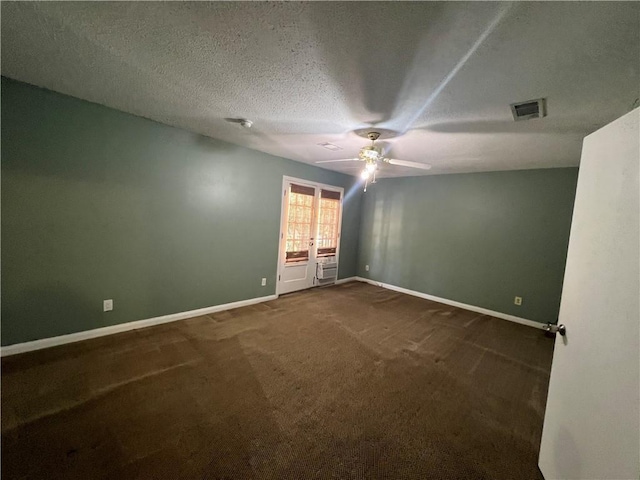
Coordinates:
(312, 240)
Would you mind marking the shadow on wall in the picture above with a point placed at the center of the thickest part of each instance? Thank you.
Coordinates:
(107, 144)
(43, 306)
(379, 237)
(388, 242)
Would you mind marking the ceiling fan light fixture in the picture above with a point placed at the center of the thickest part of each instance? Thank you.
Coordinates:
(369, 153)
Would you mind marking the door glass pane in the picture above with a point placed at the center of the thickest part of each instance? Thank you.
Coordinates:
(299, 226)
(328, 216)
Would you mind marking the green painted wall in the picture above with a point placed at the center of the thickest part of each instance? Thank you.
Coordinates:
(479, 239)
(101, 204)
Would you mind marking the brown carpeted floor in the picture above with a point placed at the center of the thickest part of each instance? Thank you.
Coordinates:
(351, 381)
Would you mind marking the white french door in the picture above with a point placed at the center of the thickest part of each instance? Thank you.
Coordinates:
(309, 233)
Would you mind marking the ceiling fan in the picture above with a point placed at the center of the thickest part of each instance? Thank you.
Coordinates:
(372, 155)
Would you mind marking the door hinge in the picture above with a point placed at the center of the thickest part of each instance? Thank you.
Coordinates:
(278, 277)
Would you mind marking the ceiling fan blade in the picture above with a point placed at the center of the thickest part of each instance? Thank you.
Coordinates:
(340, 160)
(407, 163)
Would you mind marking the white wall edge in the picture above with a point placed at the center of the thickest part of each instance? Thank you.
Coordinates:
(125, 327)
(345, 280)
(453, 303)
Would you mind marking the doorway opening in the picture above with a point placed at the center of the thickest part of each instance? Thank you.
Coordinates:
(310, 227)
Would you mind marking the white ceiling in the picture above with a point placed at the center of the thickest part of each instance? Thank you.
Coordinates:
(443, 74)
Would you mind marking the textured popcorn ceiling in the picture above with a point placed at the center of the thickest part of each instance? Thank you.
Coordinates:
(440, 74)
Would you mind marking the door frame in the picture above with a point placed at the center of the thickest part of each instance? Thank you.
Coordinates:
(319, 186)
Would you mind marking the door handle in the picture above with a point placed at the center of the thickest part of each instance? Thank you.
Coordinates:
(551, 328)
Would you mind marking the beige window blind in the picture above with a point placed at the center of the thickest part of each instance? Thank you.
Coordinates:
(328, 218)
(299, 225)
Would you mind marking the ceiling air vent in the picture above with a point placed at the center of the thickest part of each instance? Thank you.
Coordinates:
(529, 109)
(330, 146)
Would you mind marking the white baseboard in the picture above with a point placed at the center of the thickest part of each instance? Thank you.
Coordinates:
(345, 280)
(453, 303)
(124, 327)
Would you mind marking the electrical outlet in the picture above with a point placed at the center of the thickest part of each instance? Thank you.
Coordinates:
(517, 301)
(264, 282)
(366, 267)
(107, 305)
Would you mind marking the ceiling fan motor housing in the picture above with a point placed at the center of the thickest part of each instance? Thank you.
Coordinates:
(371, 153)
(373, 136)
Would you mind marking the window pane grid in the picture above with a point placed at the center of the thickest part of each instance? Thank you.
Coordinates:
(299, 226)
(328, 226)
